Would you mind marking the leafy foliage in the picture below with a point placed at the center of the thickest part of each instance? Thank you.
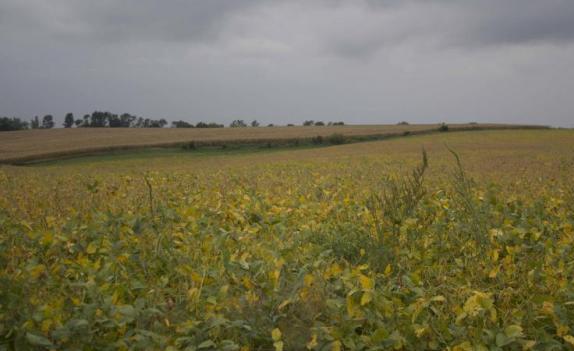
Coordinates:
(286, 256)
(238, 123)
(11, 124)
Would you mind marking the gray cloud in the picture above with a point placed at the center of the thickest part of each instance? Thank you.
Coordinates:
(364, 61)
(446, 23)
(493, 22)
(125, 20)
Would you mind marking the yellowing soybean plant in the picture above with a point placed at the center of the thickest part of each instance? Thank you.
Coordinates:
(467, 245)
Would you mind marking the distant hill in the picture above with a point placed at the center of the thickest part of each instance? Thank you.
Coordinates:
(38, 144)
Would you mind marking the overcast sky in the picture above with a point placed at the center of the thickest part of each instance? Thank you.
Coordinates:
(360, 61)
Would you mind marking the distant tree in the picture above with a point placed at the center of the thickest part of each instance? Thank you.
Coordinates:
(271, 125)
(403, 123)
(254, 123)
(48, 122)
(153, 123)
(139, 123)
(127, 120)
(319, 123)
(339, 123)
(35, 123)
(99, 119)
(69, 120)
(181, 124)
(308, 123)
(238, 123)
(78, 122)
(86, 121)
(113, 120)
(11, 124)
(290, 125)
(208, 125)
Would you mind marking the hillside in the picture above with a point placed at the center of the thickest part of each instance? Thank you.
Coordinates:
(33, 145)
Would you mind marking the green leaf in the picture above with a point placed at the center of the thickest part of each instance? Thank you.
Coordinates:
(206, 344)
(379, 335)
(502, 340)
(513, 331)
(78, 324)
(128, 312)
(38, 340)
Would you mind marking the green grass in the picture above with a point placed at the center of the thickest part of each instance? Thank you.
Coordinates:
(175, 154)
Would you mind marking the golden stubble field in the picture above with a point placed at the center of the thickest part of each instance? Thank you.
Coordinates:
(359, 246)
(40, 144)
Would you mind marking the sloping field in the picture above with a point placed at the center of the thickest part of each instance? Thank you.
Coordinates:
(365, 246)
(33, 145)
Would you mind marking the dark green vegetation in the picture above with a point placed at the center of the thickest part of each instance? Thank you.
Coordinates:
(11, 124)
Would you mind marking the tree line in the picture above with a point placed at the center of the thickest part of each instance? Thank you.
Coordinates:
(98, 119)
(101, 119)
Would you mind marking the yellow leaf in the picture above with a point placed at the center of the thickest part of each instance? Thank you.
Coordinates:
(569, 339)
(91, 249)
(562, 330)
(37, 271)
(420, 331)
(366, 282)
(116, 296)
(388, 270)
(333, 271)
(363, 267)
(494, 255)
(493, 273)
(47, 239)
(274, 275)
(196, 277)
(278, 345)
(477, 302)
(279, 263)
(313, 342)
(283, 304)
(438, 298)
(46, 324)
(548, 308)
(366, 298)
(276, 334)
(336, 346)
(352, 307)
(529, 344)
(465, 346)
(493, 315)
(193, 293)
(308, 280)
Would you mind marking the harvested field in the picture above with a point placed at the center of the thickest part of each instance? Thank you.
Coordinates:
(31, 145)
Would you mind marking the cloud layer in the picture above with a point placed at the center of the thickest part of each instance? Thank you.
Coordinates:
(363, 61)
